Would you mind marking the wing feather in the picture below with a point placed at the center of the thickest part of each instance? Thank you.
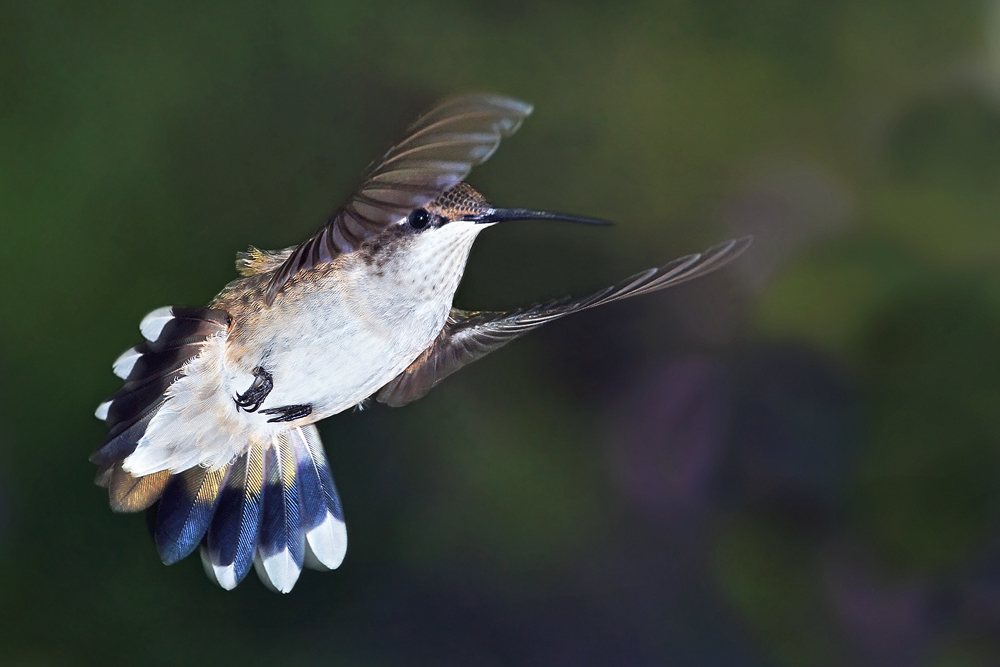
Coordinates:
(469, 336)
(440, 149)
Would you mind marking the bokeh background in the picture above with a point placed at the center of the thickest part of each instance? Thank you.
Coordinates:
(795, 461)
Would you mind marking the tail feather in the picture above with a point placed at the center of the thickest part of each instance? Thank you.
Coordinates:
(185, 510)
(170, 324)
(326, 534)
(122, 366)
(281, 550)
(229, 547)
(143, 361)
(135, 398)
(134, 494)
(123, 438)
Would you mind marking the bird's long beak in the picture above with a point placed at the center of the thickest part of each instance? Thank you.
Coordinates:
(507, 214)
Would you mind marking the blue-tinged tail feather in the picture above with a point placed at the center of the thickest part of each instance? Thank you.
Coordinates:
(279, 510)
(231, 542)
(326, 534)
(281, 549)
(185, 511)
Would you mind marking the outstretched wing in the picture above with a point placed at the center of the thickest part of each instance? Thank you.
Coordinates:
(471, 335)
(440, 149)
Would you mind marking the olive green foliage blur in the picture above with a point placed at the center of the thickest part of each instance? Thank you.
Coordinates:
(142, 144)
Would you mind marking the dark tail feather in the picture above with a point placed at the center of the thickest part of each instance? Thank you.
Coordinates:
(135, 398)
(281, 547)
(123, 438)
(323, 516)
(165, 327)
(185, 511)
(231, 542)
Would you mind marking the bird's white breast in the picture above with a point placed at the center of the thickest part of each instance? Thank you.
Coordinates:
(343, 343)
(358, 328)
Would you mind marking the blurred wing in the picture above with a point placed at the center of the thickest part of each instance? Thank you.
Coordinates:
(440, 149)
(471, 335)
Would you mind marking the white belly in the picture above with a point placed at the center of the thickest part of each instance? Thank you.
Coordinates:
(336, 350)
(325, 357)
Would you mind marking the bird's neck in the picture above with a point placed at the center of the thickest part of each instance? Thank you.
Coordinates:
(427, 266)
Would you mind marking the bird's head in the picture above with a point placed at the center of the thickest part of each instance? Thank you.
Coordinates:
(431, 245)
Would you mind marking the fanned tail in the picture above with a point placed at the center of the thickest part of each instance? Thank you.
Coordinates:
(274, 504)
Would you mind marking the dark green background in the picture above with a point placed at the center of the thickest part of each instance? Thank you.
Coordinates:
(794, 462)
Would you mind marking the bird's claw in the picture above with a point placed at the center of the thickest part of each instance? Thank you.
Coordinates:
(251, 399)
(288, 413)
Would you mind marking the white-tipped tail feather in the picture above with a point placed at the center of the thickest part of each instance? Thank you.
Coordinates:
(223, 575)
(152, 325)
(326, 544)
(126, 362)
(278, 572)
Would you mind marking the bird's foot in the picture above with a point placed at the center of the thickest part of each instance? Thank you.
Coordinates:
(262, 385)
(287, 413)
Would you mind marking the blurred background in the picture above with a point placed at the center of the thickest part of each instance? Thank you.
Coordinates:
(795, 461)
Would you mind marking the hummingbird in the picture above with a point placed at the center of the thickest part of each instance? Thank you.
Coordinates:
(213, 432)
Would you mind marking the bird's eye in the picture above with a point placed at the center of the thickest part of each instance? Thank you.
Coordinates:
(419, 219)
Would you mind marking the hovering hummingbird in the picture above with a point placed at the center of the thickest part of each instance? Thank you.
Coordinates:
(214, 431)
